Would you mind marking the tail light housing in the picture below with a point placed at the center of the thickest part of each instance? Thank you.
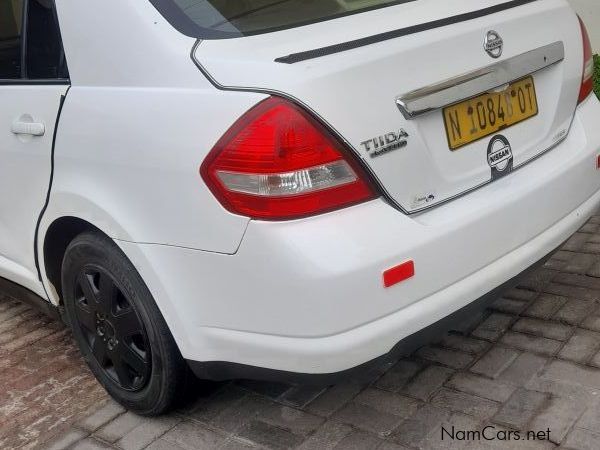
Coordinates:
(587, 82)
(277, 162)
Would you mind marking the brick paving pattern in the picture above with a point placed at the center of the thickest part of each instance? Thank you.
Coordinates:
(532, 362)
(44, 384)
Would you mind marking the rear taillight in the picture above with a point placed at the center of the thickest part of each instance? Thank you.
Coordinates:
(587, 83)
(277, 162)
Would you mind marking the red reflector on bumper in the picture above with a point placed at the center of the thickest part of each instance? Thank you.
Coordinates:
(398, 274)
(598, 162)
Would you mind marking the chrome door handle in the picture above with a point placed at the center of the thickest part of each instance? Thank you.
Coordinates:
(30, 128)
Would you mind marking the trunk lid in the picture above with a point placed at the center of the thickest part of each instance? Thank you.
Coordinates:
(357, 72)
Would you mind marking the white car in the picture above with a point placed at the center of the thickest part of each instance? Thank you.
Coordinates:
(283, 189)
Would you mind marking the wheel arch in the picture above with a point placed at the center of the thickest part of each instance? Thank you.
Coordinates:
(69, 214)
(57, 238)
(62, 224)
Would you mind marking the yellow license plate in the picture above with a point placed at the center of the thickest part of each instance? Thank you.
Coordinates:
(487, 114)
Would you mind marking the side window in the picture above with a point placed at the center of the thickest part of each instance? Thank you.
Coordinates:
(30, 26)
(45, 56)
(11, 20)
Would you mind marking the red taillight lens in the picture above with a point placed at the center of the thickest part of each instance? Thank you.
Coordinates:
(587, 83)
(277, 162)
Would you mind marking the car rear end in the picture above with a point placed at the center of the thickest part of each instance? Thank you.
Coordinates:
(405, 159)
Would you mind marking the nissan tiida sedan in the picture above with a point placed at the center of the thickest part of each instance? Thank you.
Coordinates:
(283, 189)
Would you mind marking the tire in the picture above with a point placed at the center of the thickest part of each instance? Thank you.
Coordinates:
(119, 329)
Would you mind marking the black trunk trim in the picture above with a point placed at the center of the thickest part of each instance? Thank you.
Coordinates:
(350, 45)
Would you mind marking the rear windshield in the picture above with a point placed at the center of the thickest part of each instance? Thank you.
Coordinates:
(218, 19)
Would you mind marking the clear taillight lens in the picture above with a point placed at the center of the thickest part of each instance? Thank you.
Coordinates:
(291, 183)
(277, 162)
(587, 82)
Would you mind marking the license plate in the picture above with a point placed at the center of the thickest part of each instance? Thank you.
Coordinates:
(487, 114)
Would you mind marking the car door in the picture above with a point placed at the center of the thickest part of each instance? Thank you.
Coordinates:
(33, 80)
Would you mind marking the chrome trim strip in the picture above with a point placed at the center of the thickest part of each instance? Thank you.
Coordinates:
(464, 87)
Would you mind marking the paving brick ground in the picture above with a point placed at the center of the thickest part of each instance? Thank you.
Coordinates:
(531, 363)
(44, 384)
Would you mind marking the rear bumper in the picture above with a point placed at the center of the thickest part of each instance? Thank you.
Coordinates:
(219, 371)
(307, 296)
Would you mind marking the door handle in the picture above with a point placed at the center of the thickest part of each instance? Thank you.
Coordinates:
(30, 128)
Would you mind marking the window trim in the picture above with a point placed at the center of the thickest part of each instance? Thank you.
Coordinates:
(24, 27)
(24, 81)
(41, 81)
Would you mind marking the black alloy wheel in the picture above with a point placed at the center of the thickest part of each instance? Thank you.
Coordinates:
(112, 329)
(119, 328)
